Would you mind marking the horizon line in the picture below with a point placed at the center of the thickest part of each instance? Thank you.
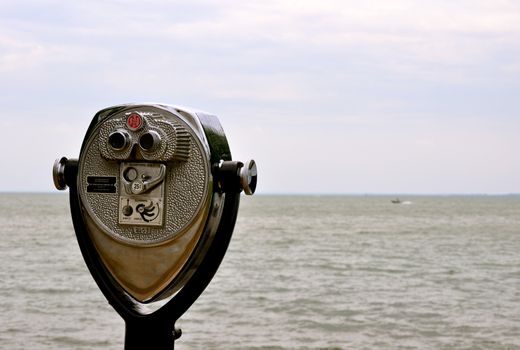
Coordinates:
(395, 194)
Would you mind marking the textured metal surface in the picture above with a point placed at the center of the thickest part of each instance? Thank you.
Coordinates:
(176, 139)
(152, 271)
(187, 183)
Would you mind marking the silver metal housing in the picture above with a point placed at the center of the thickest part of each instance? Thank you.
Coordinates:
(145, 256)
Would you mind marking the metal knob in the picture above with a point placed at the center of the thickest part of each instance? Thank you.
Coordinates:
(234, 176)
(64, 172)
(58, 173)
(248, 176)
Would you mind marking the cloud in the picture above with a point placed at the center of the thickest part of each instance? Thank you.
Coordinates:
(419, 29)
(298, 85)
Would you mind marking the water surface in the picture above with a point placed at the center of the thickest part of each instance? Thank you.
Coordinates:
(302, 272)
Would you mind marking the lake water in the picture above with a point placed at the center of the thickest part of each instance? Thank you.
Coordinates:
(301, 272)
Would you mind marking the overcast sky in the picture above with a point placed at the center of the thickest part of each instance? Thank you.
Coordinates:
(327, 96)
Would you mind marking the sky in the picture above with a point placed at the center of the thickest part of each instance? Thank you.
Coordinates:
(328, 97)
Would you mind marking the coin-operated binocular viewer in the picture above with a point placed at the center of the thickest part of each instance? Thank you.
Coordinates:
(154, 197)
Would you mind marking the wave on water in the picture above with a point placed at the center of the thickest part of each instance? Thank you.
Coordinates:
(440, 274)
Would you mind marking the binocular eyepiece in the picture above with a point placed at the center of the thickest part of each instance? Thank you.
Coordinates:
(154, 197)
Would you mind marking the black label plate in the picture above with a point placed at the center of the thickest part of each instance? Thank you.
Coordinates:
(101, 184)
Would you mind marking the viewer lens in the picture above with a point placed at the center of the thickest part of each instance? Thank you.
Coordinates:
(117, 140)
(149, 141)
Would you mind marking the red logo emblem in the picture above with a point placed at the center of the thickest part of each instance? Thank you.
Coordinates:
(134, 121)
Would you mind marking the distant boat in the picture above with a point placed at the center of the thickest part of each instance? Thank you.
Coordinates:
(396, 201)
